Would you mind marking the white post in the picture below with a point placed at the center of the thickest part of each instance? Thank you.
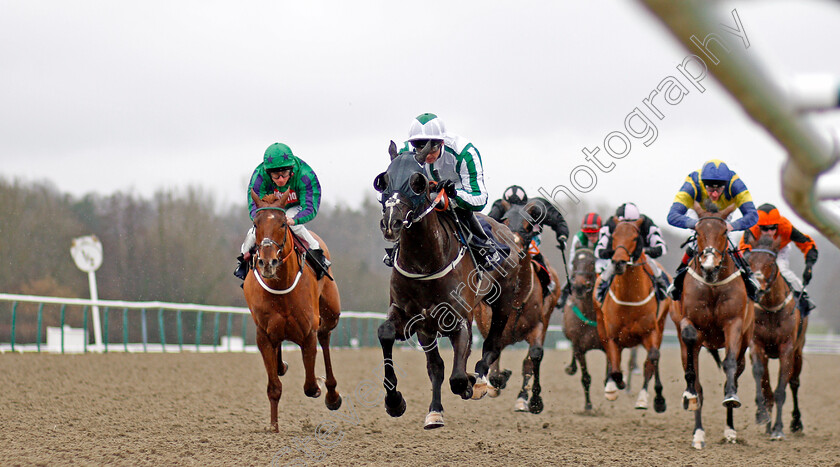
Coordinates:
(97, 328)
(87, 253)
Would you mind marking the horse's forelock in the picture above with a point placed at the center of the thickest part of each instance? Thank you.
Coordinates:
(766, 242)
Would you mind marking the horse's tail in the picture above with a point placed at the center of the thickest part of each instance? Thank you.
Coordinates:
(716, 357)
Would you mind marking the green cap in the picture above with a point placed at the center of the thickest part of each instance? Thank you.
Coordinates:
(278, 156)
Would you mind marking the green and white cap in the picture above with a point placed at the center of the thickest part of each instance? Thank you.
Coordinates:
(426, 126)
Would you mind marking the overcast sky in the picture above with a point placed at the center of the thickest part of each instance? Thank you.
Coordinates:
(100, 96)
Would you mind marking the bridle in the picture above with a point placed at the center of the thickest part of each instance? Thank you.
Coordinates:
(771, 282)
(636, 254)
(268, 241)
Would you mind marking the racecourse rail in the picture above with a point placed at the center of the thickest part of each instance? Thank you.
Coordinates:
(237, 334)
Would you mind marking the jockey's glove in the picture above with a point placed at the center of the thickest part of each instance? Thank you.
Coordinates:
(654, 251)
(448, 187)
(806, 275)
(561, 242)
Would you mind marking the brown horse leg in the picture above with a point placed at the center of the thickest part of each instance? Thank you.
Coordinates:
(732, 333)
(282, 367)
(762, 384)
(571, 368)
(434, 367)
(585, 379)
(796, 422)
(527, 373)
(614, 359)
(309, 351)
(690, 351)
(492, 348)
(535, 353)
(394, 401)
(333, 399)
(785, 372)
(275, 387)
(459, 382)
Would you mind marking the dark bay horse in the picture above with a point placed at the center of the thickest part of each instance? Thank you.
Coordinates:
(714, 312)
(580, 318)
(631, 314)
(435, 286)
(529, 320)
(779, 333)
(288, 303)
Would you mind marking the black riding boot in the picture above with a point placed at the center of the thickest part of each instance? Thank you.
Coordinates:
(320, 264)
(804, 303)
(661, 285)
(242, 266)
(675, 289)
(603, 287)
(564, 295)
(482, 247)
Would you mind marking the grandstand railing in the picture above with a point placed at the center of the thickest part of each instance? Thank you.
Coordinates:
(178, 327)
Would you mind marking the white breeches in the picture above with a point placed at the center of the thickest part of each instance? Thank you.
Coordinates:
(783, 261)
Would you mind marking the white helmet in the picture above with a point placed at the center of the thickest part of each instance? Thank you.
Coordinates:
(628, 212)
(426, 126)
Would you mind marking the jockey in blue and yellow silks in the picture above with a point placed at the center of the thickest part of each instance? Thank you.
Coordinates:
(718, 184)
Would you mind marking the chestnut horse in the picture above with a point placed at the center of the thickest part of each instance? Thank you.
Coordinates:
(288, 303)
(779, 333)
(631, 314)
(580, 319)
(528, 322)
(435, 285)
(714, 312)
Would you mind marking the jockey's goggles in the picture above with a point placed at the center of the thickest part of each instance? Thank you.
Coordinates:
(419, 144)
(283, 172)
(767, 228)
(714, 186)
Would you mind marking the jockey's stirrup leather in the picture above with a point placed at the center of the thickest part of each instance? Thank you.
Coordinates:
(661, 286)
(750, 284)
(804, 302)
(241, 270)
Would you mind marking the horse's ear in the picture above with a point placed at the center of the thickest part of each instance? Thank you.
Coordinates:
(420, 157)
(698, 209)
(726, 212)
(284, 198)
(256, 199)
(392, 150)
(777, 243)
(638, 222)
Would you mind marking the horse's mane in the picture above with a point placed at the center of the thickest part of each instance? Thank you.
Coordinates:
(709, 206)
(270, 198)
(766, 242)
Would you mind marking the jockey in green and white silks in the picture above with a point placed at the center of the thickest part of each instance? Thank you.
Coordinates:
(459, 161)
(455, 163)
(282, 171)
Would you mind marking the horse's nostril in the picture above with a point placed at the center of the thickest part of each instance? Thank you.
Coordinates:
(261, 263)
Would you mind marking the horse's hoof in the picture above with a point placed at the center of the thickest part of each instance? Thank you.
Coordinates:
(659, 404)
(777, 435)
(521, 405)
(587, 407)
(732, 401)
(480, 388)
(796, 426)
(690, 402)
(730, 435)
(570, 370)
(642, 400)
(333, 405)
(493, 391)
(500, 379)
(395, 407)
(284, 367)
(433, 420)
(535, 405)
(699, 440)
(611, 391)
(313, 392)
(762, 417)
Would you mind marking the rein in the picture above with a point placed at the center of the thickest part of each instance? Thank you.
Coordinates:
(583, 318)
(408, 222)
